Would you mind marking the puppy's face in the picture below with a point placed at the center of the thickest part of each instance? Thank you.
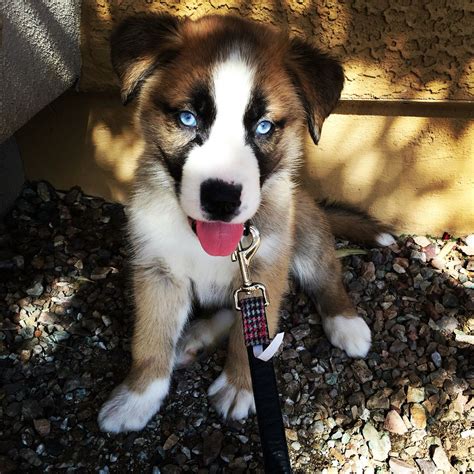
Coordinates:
(222, 103)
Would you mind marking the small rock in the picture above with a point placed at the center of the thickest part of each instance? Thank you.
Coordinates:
(463, 337)
(379, 444)
(27, 332)
(30, 457)
(43, 192)
(394, 423)
(426, 466)
(438, 263)
(170, 442)
(398, 268)
(447, 323)
(398, 399)
(361, 372)
(397, 466)
(35, 290)
(441, 459)
(378, 401)
(420, 256)
(418, 416)
(212, 447)
(300, 332)
(450, 300)
(421, 240)
(436, 358)
(292, 435)
(100, 273)
(415, 395)
(42, 426)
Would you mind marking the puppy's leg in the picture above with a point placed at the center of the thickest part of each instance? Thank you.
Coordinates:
(162, 307)
(318, 271)
(202, 334)
(232, 392)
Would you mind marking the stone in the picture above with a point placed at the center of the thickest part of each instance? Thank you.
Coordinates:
(170, 442)
(300, 332)
(42, 426)
(421, 240)
(394, 423)
(361, 372)
(378, 401)
(420, 256)
(397, 466)
(426, 466)
(441, 460)
(398, 268)
(43, 191)
(450, 300)
(436, 358)
(447, 323)
(31, 409)
(35, 290)
(379, 443)
(100, 273)
(212, 447)
(415, 394)
(398, 399)
(418, 416)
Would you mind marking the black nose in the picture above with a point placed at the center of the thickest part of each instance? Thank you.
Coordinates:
(220, 200)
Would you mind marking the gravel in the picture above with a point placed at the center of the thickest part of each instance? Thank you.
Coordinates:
(65, 319)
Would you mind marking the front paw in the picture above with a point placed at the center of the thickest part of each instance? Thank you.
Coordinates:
(230, 401)
(127, 410)
(351, 334)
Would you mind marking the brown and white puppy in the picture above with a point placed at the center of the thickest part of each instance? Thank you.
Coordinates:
(224, 105)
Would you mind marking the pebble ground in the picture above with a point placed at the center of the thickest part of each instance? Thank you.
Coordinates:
(65, 323)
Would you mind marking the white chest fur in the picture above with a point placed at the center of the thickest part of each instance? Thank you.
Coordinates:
(163, 233)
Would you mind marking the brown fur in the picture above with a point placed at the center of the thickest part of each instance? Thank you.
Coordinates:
(161, 59)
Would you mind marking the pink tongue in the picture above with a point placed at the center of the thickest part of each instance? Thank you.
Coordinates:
(218, 238)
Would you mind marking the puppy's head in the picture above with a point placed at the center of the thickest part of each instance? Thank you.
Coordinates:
(223, 103)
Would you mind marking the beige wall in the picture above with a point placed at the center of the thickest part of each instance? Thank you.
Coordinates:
(412, 168)
(398, 49)
(400, 145)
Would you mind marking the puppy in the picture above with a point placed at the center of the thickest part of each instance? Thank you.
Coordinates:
(224, 105)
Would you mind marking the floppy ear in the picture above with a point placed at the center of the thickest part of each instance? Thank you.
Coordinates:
(319, 80)
(139, 45)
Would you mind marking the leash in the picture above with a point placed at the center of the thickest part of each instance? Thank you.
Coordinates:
(260, 351)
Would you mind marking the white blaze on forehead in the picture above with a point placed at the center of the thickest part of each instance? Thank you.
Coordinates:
(233, 82)
(225, 154)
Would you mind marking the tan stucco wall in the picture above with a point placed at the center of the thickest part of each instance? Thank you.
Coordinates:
(403, 49)
(408, 163)
(415, 172)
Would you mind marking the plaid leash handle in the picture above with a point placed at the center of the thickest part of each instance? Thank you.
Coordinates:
(254, 321)
(265, 390)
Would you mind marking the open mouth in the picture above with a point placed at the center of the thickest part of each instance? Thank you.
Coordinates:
(217, 238)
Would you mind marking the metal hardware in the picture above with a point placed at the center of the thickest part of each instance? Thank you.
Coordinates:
(244, 255)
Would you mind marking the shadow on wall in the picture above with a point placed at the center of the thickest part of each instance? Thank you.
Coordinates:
(408, 166)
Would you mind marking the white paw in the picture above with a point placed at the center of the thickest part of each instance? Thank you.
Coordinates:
(230, 401)
(385, 239)
(131, 411)
(352, 335)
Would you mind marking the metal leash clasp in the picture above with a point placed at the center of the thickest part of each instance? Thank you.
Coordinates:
(244, 255)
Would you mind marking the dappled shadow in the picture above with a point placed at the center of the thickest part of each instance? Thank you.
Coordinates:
(396, 167)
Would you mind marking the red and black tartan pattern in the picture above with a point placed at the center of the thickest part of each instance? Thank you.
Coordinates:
(254, 321)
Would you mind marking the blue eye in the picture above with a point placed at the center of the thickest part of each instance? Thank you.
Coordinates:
(188, 119)
(264, 127)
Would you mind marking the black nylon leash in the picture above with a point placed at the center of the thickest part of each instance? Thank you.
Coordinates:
(256, 335)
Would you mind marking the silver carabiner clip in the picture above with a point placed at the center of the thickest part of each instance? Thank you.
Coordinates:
(244, 255)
